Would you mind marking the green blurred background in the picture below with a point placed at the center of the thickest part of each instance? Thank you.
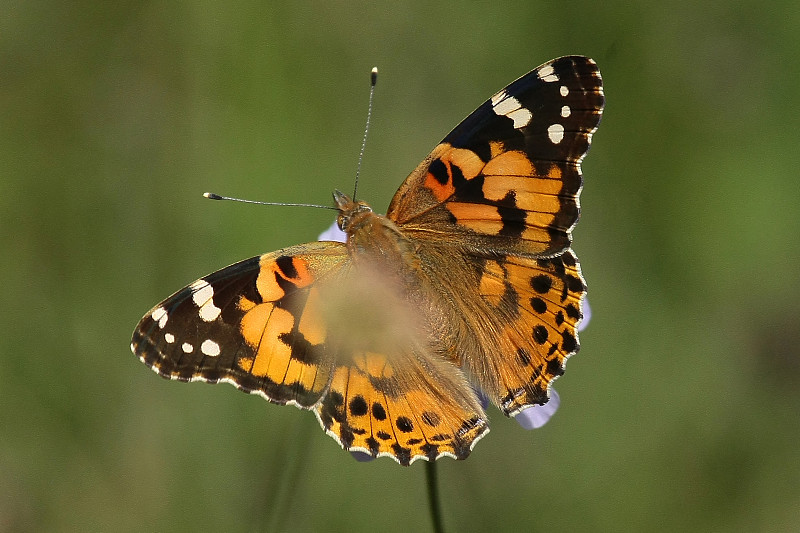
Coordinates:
(682, 410)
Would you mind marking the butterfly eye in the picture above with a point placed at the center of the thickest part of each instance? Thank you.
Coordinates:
(343, 221)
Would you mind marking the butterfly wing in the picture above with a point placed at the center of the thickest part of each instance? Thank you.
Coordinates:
(508, 177)
(299, 326)
(532, 308)
(253, 324)
(407, 406)
(493, 207)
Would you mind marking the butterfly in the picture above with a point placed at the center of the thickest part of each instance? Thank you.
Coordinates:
(467, 286)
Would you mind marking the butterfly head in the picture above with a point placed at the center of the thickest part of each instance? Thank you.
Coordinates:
(350, 211)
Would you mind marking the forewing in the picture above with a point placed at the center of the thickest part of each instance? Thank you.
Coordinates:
(508, 177)
(255, 324)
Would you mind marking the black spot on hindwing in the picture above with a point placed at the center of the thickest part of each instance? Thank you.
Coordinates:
(538, 305)
(541, 283)
(358, 406)
(554, 367)
(540, 334)
(378, 411)
(404, 424)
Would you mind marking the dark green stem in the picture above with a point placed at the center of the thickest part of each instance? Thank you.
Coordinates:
(433, 496)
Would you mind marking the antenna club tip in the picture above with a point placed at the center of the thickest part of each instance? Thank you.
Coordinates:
(212, 196)
(374, 75)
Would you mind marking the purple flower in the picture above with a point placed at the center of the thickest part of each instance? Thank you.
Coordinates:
(361, 457)
(333, 233)
(536, 416)
(587, 315)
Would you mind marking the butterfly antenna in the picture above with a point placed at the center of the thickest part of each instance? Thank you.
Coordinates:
(212, 196)
(373, 79)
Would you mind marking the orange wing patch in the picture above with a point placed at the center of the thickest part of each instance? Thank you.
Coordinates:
(284, 330)
(446, 161)
(278, 273)
(530, 205)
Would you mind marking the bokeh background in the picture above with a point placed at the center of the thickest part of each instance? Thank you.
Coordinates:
(682, 410)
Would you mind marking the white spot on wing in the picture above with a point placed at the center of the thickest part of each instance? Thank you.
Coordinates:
(160, 316)
(209, 312)
(210, 348)
(504, 104)
(564, 90)
(565, 111)
(203, 292)
(556, 133)
(187, 348)
(548, 74)
(499, 97)
(508, 106)
(521, 117)
(203, 298)
(333, 233)
(169, 337)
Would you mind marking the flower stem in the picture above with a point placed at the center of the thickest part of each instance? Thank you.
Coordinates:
(433, 496)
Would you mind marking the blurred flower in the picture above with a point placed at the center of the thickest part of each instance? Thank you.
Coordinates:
(361, 457)
(333, 233)
(587, 315)
(536, 416)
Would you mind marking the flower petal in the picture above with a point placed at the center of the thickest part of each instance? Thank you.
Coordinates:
(536, 416)
(333, 233)
(587, 315)
(361, 457)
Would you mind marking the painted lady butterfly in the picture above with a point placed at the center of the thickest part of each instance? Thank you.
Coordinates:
(469, 280)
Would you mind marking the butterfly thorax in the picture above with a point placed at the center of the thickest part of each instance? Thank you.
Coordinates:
(373, 239)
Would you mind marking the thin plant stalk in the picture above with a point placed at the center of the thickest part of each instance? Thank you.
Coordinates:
(434, 502)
